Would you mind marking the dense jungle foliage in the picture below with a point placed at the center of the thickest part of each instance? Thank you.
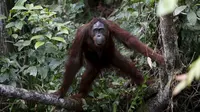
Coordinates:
(41, 32)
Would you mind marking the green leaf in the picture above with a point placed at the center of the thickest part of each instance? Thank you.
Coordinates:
(31, 70)
(21, 44)
(130, 9)
(55, 63)
(19, 25)
(29, 6)
(179, 87)
(194, 69)
(50, 48)
(192, 17)
(43, 71)
(37, 37)
(33, 17)
(59, 39)
(48, 34)
(4, 77)
(194, 73)
(11, 24)
(178, 10)
(26, 43)
(38, 7)
(38, 44)
(41, 57)
(116, 83)
(36, 29)
(2, 17)
(20, 2)
(19, 8)
(63, 32)
(166, 7)
(14, 36)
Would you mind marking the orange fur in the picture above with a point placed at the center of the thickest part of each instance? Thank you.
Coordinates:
(84, 50)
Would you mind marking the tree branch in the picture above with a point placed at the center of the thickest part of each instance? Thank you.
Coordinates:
(173, 64)
(48, 99)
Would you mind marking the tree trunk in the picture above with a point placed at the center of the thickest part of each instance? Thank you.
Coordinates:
(4, 47)
(163, 98)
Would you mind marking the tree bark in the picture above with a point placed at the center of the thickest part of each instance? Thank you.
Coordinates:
(48, 99)
(163, 98)
(4, 47)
